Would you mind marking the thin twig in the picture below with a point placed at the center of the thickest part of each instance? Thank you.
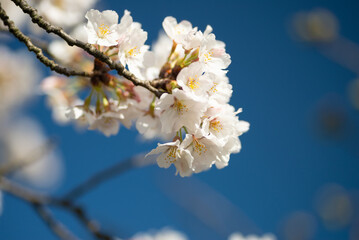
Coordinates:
(49, 28)
(38, 51)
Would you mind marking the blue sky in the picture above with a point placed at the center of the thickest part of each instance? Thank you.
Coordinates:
(281, 85)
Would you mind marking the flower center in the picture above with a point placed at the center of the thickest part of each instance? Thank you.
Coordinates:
(59, 3)
(179, 30)
(214, 88)
(198, 147)
(193, 82)
(208, 56)
(180, 107)
(103, 30)
(171, 154)
(216, 125)
(133, 52)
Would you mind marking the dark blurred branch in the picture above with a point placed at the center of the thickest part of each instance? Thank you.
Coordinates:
(40, 202)
(58, 228)
(38, 51)
(49, 28)
(23, 193)
(106, 174)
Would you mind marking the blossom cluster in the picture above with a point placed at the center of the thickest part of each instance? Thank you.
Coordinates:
(170, 234)
(63, 13)
(24, 148)
(187, 65)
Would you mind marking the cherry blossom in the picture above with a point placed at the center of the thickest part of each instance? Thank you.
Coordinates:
(193, 115)
(102, 27)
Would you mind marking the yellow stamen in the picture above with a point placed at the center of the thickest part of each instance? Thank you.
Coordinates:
(59, 4)
(180, 107)
(133, 52)
(198, 147)
(179, 30)
(208, 56)
(103, 30)
(171, 154)
(216, 125)
(193, 82)
(214, 88)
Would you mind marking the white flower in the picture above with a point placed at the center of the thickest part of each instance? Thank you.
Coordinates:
(102, 27)
(24, 140)
(83, 117)
(125, 23)
(180, 109)
(177, 31)
(192, 80)
(220, 90)
(107, 123)
(222, 124)
(155, 59)
(221, 121)
(58, 99)
(64, 13)
(205, 150)
(149, 126)
(132, 48)
(65, 53)
(148, 122)
(239, 236)
(15, 86)
(165, 234)
(194, 38)
(174, 153)
(129, 111)
(161, 48)
(212, 54)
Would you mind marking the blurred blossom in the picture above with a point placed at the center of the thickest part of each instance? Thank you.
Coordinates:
(334, 206)
(318, 25)
(299, 226)
(353, 90)
(198, 199)
(239, 236)
(15, 14)
(64, 13)
(331, 120)
(22, 141)
(164, 234)
(69, 54)
(15, 86)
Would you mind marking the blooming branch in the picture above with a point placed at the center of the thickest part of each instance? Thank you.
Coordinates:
(48, 27)
(38, 51)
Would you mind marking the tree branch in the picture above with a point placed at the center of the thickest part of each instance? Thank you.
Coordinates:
(40, 201)
(58, 228)
(27, 41)
(49, 28)
(106, 174)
